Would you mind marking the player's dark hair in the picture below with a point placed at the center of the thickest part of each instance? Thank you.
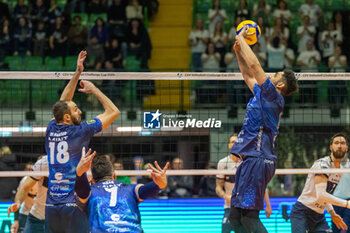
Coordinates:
(291, 83)
(232, 135)
(101, 168)
(59, 109)
(338, 135)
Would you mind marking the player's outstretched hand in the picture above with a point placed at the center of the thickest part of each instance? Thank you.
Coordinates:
(85, 162)
(13, 208)
(80, 61)
(158, 174)
(338, 221)
(87, 86)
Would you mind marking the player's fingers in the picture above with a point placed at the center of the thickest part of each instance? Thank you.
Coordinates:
(157, 166)
(166, 167)
(152, 168)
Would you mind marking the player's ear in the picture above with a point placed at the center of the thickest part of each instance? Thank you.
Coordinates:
(67, 118)
(280, 86)
(114, 175)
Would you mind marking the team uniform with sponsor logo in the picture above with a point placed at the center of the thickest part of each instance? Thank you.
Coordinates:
(227, 164)
(255, 144)
(64, 145)
(36, 218)
(113, 207)
(308, 213)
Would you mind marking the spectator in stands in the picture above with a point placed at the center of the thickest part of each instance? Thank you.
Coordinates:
(264, 34)
(118, 165)
(261, 9)
(289, 57)
(211, 59)
(330, 38)
(152, 6)
(282, 12)
(134, 10)
(179, 186)
(231, 37)
(117, 18)
(22, 38)
(231, 62)
(21, 9)
(219, 38)
(100, 31)
(114, 56)
(97, 7)
(7, 163)
(40, 39)
(243, 10)
(96, 54)
(216, 14)
(309, 59)
(279, 30)
(77, 6)
(305, 33)
(77, 36)
(207, 185)
(312, 10)
(5, 39)
(54, 12)
(337, 62)
(275, 54)
(338, 21)
(261, 55)
(138, 165)
(198, 40)
(58, 39)
(39, 12)
(4, 11)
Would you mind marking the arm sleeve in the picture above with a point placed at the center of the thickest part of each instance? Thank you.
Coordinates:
(82, 186)
(326, 197)
(41, 165)
(92, 127)
(148, 190)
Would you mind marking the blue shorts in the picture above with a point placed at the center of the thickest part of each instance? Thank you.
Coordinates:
(304, 219)
(65, 218)
(34, 224)
(252, 177)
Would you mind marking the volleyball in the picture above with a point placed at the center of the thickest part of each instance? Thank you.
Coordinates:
(254, 31)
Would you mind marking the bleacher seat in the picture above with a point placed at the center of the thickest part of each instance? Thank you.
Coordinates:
(53, 63)
(33, 64)
(15, 63)
(70, 63)
(132, 64)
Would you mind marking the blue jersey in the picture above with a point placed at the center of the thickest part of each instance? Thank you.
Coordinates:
(113, 207)
(261, 122)
(64, 144)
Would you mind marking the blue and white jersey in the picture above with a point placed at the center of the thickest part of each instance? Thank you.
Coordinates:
(64, 144)
(113, 207)
(261, 122)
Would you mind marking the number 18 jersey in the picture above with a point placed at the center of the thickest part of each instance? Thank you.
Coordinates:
(64, 144)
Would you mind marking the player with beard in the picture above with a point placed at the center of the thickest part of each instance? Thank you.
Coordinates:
(66, 139)
(308, 213)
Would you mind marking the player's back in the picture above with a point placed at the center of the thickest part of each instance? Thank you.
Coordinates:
(261, 122)
(113, 207)
(64, 144)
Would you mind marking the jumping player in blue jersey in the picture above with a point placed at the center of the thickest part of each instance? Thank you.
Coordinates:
(255, 142)
(66, 138)
(112, 206)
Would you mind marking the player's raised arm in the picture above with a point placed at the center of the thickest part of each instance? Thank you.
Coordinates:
(249, 57)
(246, 73)
(69, 90)
(111, 111)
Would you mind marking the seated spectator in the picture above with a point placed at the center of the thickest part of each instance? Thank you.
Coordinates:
(309, 59)
(207, 185)
(20, 10)
(97, 7)
(7, 163)
(39, 12)
(279, 30)
(117, 17)
(231, 62)
(289, 57)
(5, 39)
(231, 37)
(138, 165)
(54, 12)
(305, 33)
(4, 11)
(179, 186)
(264, 34)
(22, 38)
(198, 40)
(312, 10)
(100, 31)
(261, 9)
(338, 21)
(219, 38)
(58, 39)
(282, 12)
(114, 57)
(243, 10)
(118, 165)
(261, 55)
(40, 39)
(152, 6)
(216, 14)
(330, 38)
(96, 54)
(77, 6)
(77, 36)
(134, 10)
(275, 54)
(337, 62)
(211, 59)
